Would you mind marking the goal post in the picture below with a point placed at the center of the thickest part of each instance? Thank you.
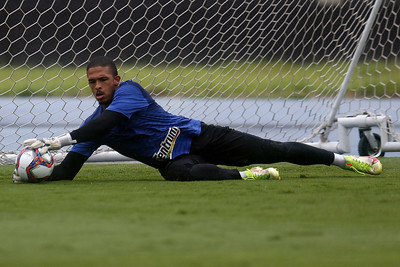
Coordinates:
(272, 68)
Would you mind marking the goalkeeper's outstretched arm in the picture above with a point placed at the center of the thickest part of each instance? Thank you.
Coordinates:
(91, 130)
(69, 167)
(97, 127)
(73, 162)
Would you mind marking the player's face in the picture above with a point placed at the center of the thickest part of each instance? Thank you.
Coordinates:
(103, 84)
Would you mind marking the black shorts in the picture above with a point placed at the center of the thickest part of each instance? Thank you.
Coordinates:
(226, 146)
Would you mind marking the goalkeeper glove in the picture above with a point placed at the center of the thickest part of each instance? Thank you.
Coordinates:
(53, 143)
(18, 179)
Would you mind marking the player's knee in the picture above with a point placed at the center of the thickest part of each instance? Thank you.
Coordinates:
(175, 171)
(172, 175)
(182, 168)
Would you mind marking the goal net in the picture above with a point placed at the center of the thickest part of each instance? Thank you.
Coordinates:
(270, 68)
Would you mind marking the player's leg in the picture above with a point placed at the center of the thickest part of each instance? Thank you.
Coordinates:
(222, 145)
(302, 154)
(193, 167)
(196, 168)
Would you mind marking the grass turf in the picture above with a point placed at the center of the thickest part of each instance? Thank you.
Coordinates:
(128, 215)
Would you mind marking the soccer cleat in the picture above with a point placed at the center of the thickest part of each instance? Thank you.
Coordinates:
(363, 165)
(258, 173)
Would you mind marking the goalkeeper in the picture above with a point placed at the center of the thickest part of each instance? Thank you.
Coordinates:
(132, 123)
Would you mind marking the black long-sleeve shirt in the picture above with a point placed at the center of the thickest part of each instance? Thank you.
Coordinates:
(73, 162)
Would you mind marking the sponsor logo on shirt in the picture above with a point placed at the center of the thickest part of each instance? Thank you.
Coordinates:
(167, 146)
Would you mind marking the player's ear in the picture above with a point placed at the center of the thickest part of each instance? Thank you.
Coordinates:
(117, 79)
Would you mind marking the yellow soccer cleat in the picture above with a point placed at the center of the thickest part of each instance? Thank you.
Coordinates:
(363, 165)
(258, 173)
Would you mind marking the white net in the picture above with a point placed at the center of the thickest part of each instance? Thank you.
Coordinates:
(271, 68)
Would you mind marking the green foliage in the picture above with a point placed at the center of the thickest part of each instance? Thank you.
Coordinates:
(234, 79)
(127, 215)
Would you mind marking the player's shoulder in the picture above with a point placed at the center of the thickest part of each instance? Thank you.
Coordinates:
(132, 88)
(130, 84)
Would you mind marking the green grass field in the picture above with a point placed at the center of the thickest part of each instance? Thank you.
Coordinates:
(127, 215)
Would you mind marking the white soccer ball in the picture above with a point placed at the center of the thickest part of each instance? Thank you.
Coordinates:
(32, 166)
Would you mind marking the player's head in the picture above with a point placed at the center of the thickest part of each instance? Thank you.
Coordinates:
(103, 79)
(103, 62)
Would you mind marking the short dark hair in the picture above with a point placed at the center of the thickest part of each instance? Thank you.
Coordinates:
(102, 62)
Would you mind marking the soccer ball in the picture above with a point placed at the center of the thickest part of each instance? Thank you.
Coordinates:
(32, 166)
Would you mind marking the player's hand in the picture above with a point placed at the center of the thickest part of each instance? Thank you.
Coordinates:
(53, 143)
(44, 145)
(58, 142)
(18, 179)
(35, 143)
